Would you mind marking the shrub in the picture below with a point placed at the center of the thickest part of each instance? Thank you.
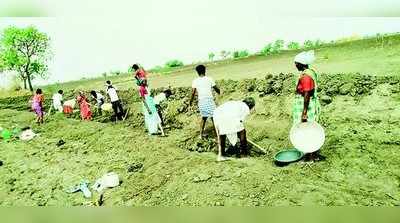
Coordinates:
(240, 54)
(278, 46)
(174, 63)
(308, 44)
(293, 46)
(267, 50)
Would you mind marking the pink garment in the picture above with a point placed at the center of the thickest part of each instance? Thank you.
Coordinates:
(84, 106)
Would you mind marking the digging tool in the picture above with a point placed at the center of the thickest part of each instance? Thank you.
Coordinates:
(126, 114)
(258, 147)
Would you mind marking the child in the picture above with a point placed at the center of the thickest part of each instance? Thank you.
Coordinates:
(37, 106)
(99, 99)
(116, 103)
(58, 101)
(203, 86)
(158, 99)
(152, 119)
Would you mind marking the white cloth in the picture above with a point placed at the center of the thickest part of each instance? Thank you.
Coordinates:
(57, 102)
(71, 103)
(229, 119)
(159, 98)
(306, 57)
(99, 97)
(203, 86)
(112, 92)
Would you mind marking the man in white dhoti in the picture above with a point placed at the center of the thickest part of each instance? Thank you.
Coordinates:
(229, 122)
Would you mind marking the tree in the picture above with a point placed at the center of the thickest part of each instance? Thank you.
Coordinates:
(267, 50)
(211, 56)
(293, 46)
(25, 51)
(278, 46)
(308, 44)
(174, 63)
(225, 54)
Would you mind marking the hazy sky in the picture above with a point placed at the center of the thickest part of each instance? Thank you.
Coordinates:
(95, 38)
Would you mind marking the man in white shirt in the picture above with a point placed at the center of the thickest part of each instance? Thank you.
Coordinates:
(229, 122)
(116, 103)
(58, 101)
(203, 86)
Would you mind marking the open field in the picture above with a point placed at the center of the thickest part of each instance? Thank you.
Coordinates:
(361, 117)
(362, 56)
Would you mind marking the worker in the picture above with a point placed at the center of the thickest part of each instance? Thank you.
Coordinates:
(229, 123)
(203, 86)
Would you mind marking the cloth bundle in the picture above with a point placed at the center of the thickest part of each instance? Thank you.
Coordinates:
(306, 57)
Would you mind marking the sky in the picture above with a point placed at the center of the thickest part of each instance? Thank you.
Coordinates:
(90, 38)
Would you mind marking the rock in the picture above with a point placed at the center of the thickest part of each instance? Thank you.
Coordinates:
(135, 167)
(345, 89)
(201, 178)
(325, 100)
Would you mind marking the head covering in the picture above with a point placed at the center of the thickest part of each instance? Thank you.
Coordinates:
(306, 57)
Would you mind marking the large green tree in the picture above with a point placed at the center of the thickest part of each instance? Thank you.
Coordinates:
(25, 51)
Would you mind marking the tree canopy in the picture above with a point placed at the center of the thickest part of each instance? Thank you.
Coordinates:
(25, 51)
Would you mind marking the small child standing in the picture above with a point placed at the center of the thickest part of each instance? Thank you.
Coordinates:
(37, 106)
(160, 98)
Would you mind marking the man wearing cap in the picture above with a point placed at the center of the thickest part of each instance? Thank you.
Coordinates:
(229, 123)
(306, 105)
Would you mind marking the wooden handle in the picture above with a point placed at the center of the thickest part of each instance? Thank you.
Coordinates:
(258, 147)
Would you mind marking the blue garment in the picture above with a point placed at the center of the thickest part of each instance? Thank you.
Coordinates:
(207, 107)
(151, 121)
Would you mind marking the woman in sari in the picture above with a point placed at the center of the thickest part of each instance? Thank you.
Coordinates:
(84, 106)
(37, 105)
(306, 107)
(152, 120)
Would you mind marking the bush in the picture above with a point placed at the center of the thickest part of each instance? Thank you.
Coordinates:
(174, 63)
(240, 54)
(308, 44)
(267, 50)
(278, 46)
(293, 46)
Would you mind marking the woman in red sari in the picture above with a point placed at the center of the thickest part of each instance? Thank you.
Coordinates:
(84, 106)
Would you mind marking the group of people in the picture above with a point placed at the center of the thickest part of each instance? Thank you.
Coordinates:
(228, 118)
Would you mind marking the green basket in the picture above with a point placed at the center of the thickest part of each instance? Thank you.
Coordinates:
(288, 156)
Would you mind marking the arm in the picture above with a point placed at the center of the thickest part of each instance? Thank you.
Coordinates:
(307, 96)
(192, 97)
(216, 89)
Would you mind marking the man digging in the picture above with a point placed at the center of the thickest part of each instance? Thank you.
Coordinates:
(229, 122)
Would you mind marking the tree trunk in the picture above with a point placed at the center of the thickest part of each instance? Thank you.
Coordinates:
(25, 84)
(29, 82)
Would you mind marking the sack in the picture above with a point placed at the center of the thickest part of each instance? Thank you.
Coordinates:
(106, 107)
(109, 180)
